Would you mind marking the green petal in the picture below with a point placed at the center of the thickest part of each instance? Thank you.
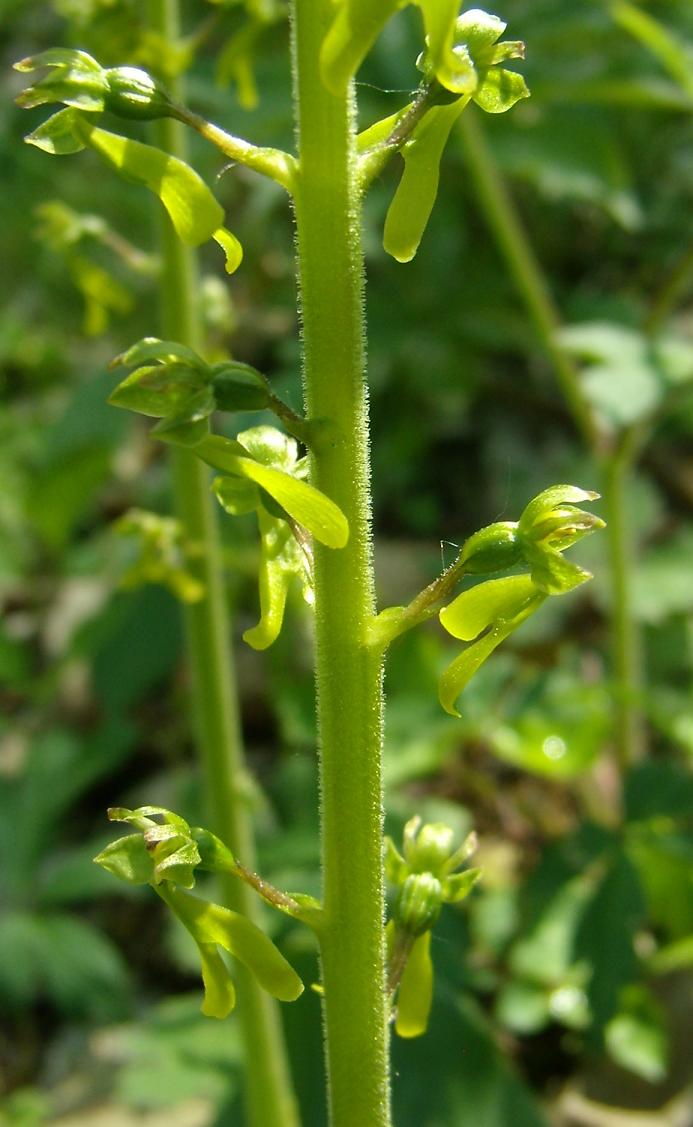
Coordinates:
(499, 90)
(213, 924)
(549, 499)
(231, 248)
(458, 887)
(277, 569)
(415, 990)
(552, 573)
(456, 677)
(158, 390)
(416, 192)
(474, 610)
(194, 211)
(128, 859)
(220, 995)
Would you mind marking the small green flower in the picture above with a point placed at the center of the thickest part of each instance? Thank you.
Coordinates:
(425, 878)
(78, 80)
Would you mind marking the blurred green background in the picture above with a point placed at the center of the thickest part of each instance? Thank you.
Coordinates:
(564, 987)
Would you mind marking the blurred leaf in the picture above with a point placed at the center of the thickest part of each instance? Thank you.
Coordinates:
(636, 1037)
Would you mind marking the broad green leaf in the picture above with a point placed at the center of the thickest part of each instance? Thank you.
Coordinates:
(194, 211)
(416, 192)
(57, 135)
(158, 390)
(496, 600)
(499, 90)
(415, 990)
(456, 677)
(128, 859)
(302, 501)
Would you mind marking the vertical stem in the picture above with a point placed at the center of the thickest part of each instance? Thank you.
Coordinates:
(614, 465)
(348, 673)
(625, 635)
(516, 248)
(269, 1097)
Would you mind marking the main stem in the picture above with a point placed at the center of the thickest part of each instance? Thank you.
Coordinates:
(269, 1096)
(348, 671)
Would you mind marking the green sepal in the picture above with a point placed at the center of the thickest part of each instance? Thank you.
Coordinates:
(415, 993)
(239, 387)
(189, 424)
(458, 886)
(75, 78)
(158, 390)
(427, 847)
(476, 609)
(416, 192)
(236, 496)
(128, 859)
(548, 500)
(162, 351)
(553, 574)
(446, 58)
(457, 676)
(57, 135)
(499, 90)
(211, 925)
(305, 504)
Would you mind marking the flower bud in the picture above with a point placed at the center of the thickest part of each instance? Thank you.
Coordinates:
(131, 92)
(430, 849)
(418, 903)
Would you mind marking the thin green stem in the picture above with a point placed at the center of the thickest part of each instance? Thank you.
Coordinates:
(348, 672)
(274, 163)
(512, 240)
(269, 1097)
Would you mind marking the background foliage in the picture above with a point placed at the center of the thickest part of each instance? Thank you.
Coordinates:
(563, 991)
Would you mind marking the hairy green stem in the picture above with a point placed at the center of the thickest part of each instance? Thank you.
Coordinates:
(269, 1096)
(613, 463)
(348, 671)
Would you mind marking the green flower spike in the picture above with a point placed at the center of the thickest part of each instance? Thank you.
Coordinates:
(425, 878)
(487, 614)
(165, 852)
